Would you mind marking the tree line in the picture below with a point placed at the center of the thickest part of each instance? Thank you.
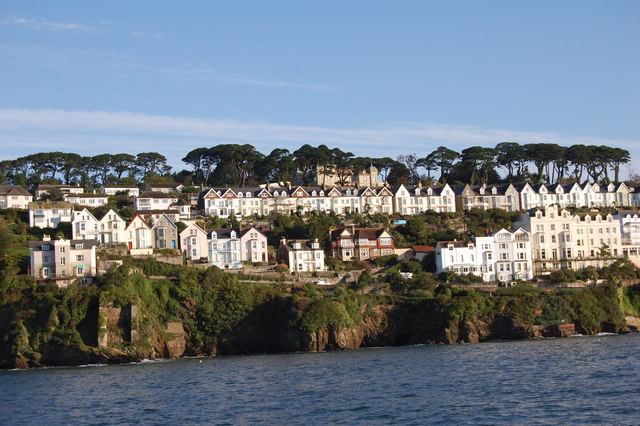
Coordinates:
(243, 165)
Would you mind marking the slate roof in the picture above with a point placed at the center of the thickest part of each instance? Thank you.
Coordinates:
(13, 190)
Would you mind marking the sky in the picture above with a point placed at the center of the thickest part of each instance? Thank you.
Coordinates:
(375, 78)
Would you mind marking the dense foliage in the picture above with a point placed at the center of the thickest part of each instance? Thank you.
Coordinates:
(243, 165)
(218, 311)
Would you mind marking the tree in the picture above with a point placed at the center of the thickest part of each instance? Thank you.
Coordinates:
(278, 166)
(410, 160)
(429, 164)
(543, 155)
(309, 159)
(513, 157)
(399, 175)
(100, 166)
(151, 162)
(481, 160)
(444, 158)
(617, 157)
(122, 163)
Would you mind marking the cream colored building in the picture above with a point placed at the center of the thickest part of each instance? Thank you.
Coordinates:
(562, 240)
(14, 197)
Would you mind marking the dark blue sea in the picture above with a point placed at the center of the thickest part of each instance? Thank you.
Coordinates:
(581, 380)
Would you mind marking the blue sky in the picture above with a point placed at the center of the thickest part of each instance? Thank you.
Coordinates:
(377, 78)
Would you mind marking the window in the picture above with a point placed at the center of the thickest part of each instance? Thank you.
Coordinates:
(80, 258)
(62, 249)
(63, 261)
(46, 247)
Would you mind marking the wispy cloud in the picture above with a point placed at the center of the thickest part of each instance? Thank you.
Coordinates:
(41, 24)
(92, 132)
(101, 27)
(125, 65)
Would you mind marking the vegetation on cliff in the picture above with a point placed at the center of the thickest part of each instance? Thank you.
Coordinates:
(42, 324)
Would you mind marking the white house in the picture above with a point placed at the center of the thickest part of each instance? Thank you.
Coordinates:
(139, 237)
(49, 214)
(64, 189)
(87, 199)
(224, 248)
(193, 242)
(84, 225)
(503, 256)
(112, 228)
(132, 191)
(14, 197)
(154, 200)
(301, 255)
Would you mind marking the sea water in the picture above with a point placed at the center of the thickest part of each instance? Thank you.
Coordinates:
(582, 380)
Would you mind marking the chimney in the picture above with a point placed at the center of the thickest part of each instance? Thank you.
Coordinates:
(46, 237)
(283, 241)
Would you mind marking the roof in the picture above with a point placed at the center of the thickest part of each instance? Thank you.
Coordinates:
(14, 190)
(37, 245)
(44, 187)
(156, 194)
(423, 249)
(50, 205)
(164, 185)
(357, 233)
(306, 244)
(222, 233)
(86, 195)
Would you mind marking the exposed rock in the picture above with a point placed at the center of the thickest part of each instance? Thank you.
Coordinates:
(633, 323)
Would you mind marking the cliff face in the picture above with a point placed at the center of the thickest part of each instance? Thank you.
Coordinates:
(87, 327)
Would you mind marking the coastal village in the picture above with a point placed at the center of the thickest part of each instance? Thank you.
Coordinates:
(116, 266)
(559, 227)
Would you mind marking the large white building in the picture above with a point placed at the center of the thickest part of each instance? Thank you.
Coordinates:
(503, 256)
(561, 240)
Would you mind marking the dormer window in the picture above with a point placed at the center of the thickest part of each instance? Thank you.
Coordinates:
(322, 193)
(494, 190)
(78, 246)
(233, 234)
(247, 194)
(314, 193)
(240, 195)
(46, 247)
(417, 192)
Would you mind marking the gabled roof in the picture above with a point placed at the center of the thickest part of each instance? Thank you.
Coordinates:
(222, 233)
(167, 218)
(14, 190)
(138, 216)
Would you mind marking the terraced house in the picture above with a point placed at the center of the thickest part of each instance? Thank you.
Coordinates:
(561, 240)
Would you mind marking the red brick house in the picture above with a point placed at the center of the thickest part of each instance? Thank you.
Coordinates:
(361, 243)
